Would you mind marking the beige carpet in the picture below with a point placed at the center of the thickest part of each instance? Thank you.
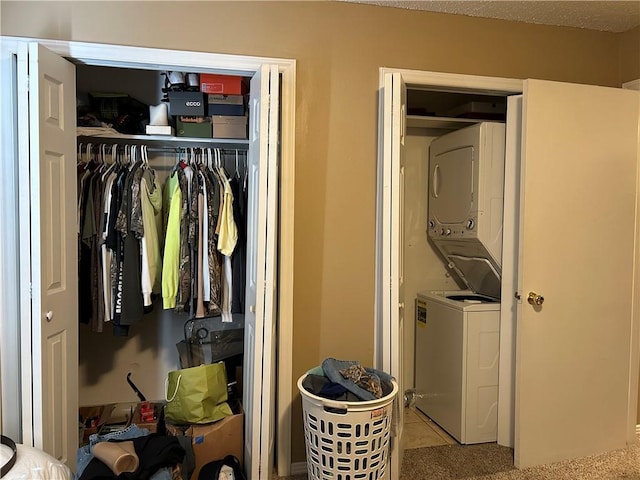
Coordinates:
(492, 462)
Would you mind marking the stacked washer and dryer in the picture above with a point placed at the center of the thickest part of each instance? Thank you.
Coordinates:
(457, 332)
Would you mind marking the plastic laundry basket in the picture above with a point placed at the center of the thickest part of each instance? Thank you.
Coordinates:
(347, 440)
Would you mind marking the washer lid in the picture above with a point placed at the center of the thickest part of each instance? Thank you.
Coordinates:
(478, 273)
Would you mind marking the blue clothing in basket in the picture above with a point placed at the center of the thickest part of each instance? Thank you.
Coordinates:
(374, 384)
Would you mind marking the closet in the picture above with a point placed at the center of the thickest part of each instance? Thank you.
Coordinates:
(431, 114)
(62, 367)
(149, 349)
(571, 156)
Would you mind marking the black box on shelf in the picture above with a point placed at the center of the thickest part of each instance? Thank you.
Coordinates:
(225, 104)
(187, 103)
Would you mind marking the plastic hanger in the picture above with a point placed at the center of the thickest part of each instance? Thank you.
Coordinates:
(88, 152)
(246, 172)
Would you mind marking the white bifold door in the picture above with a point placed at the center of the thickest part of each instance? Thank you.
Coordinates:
(390, 279)
(52, 248)
(575, 255)
(50, 352)
(262, 225)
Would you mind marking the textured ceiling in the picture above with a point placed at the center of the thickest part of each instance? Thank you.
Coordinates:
(610, 16)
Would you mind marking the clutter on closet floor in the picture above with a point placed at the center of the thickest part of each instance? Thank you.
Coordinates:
(199, 423)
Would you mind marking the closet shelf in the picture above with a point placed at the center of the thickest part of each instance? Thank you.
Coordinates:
(441, 123)
(163, 141)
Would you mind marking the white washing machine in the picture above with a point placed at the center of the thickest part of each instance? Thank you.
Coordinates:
(456, 363)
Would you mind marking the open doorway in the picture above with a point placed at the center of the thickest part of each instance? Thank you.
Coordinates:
(433, 356)
(555, 126)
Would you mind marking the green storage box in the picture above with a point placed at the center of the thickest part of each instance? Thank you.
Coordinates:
(196, 127)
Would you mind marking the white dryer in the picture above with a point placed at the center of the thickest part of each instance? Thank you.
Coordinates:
(456, 363)
(466, 189)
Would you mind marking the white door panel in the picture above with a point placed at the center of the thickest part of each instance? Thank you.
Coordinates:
(267, 434)
(576, 249)
(392, 244)
(508, 302)
(53, 253)
(259, 364)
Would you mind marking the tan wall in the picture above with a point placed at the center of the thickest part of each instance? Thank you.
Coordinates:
(339, 48)
(630, 55)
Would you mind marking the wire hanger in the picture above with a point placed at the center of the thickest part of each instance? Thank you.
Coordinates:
(114, 155)
(246, 171)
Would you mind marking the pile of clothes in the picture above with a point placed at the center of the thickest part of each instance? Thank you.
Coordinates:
(133, 453)
(348, 381)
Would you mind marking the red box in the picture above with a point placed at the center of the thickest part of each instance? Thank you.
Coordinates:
(223, 84)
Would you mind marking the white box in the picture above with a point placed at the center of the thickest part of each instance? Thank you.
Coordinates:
(160, 130)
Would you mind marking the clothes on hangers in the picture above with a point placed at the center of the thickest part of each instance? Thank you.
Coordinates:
(171, 259)
(239, 256)
(201, 238)
(114, 247)
(151, 197)
(136, 238)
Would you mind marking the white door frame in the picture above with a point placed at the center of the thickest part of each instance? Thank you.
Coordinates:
(10, 381)
(161, 59)
(452, 83)
(506, 409)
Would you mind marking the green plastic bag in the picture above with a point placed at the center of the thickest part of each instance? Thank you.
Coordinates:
(197, 394)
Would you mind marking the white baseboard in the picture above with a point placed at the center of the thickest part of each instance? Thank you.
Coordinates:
(301, 467)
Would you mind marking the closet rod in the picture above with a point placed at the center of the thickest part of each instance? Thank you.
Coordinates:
(226, 150)
(166, 143)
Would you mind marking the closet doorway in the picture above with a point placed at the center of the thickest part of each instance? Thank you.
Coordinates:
(45, 79)
(541, 191)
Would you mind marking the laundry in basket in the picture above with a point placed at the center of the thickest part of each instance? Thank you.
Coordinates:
(348, 438)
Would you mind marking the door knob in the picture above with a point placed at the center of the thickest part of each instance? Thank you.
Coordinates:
(535, 299)
(49, 316)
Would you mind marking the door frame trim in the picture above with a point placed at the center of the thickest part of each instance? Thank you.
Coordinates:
(159, 59)
(634, 394)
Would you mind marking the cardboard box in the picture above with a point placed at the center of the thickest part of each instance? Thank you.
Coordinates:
(225, 104)
(93, 418)
(113, 417)
(223, 84)
(149, 415)
(196, 127)
(214, 441)
(186, 103)
(227, 126)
